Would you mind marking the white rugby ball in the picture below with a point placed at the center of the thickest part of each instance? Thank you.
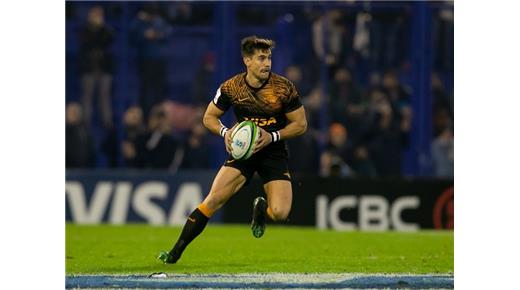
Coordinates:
(243, 140)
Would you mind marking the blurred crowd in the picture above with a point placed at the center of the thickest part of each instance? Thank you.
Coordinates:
(353, 85)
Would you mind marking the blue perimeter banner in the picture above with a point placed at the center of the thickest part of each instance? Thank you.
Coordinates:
(162, 198)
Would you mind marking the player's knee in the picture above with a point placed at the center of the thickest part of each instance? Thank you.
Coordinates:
(279, 214)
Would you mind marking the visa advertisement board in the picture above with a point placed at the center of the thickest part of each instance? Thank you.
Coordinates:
(119, 197)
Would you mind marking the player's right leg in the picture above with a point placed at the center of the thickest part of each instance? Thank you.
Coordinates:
(259, 217)
(276, 208)
(227, 182)
(277, 185)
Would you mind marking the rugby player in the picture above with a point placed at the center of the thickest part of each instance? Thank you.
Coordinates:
(273, 103)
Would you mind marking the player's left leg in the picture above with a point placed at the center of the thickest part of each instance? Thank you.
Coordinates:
(227, 182)
(276, 208)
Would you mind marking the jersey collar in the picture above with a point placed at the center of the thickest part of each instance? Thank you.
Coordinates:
(260, 87)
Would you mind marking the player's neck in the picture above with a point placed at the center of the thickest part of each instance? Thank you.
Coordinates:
(253, 81)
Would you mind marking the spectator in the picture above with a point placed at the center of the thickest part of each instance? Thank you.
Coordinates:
(307, 146)
(133, 128)
(399, 97)
(374, 80)
(196, 154)
(188, 13)
(156, 148)
(79, 144)
(442, 105)
(333, 162)
(443, 154)
(202, 85)
(150, 34)
(443, 23)
(388, 41)
(441, 120)
(361, 39)
(179, 13)
(312, 104)
(332, 50)
(361, 162)
(96, 65)
(346, 103)
(385, 139)
(295, 74)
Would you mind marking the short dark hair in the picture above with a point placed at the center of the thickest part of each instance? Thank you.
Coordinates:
(250, 43)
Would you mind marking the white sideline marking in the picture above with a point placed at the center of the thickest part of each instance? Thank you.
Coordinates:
(267, 280)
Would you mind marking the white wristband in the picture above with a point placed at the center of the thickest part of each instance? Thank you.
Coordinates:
(223, 131)
(275, 136)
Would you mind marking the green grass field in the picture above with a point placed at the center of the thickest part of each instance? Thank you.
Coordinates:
(132, 249)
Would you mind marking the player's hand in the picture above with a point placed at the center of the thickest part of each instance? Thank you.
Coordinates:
(227, 138)
(263, 140)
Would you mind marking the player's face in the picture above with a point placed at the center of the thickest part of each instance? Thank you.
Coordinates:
(259, 64)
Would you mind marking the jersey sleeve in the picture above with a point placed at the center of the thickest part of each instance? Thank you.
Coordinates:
(222, 99)
(293, 101)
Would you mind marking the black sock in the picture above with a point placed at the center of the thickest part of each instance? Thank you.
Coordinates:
(194, 226)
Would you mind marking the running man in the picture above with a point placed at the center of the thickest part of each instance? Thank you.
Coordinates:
(273, 103)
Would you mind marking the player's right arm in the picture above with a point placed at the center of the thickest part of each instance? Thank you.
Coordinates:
(212, 121)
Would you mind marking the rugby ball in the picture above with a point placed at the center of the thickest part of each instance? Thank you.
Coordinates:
(243, 140)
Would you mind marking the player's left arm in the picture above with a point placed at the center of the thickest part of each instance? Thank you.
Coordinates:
(297, 125)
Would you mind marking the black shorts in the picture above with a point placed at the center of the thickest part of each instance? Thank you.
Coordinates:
(268, 165)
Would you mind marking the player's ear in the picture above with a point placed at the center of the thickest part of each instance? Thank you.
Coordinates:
(247, 60)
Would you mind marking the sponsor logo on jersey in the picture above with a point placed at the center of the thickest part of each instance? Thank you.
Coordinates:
(262, 122)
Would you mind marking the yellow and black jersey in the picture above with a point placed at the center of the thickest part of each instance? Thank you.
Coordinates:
(266, 105)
